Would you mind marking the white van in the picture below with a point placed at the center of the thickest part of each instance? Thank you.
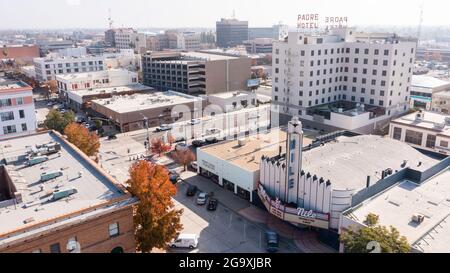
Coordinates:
(185, 240)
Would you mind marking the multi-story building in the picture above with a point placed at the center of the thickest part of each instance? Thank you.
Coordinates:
(90, 83)
(187, 41)
(259, 45)
(441, 102)
(276, 32)
(17, 109)
(128, 38)
(423, 89)
(47, 46)
(195, 72)
(231, 32)
(19, 53)
(423, 130)
(55, 199)
(110, 37)
(433, 54)
(48, 67)
(342, 79)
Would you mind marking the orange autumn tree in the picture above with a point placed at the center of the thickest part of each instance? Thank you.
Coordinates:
(80, 136)
(157, 146)
(156, 221)
(184, 157)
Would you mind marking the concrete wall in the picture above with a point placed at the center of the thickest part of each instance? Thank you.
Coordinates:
(218, 80)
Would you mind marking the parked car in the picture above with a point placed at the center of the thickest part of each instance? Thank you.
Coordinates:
(211, 140)
(212, 204)
(272, 241)
(201, 198)
(185, 241)
(174, 177)
(181, 147)
(179, 139)
(164, 127)
(112, 137)
(212, 131)
(198, 143)
(191, 190)
(194, 121)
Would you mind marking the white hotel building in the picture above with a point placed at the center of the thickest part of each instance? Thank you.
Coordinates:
(17, 112)
(342, 79)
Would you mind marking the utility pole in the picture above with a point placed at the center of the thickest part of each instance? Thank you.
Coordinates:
(419, 30)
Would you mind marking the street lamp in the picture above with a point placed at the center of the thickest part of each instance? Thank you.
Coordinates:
(146, 125)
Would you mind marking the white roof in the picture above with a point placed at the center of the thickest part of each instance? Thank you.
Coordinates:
(431, 120)
(427, 82)
(397, 206)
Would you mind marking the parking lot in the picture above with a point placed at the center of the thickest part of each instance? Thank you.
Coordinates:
(223, 230)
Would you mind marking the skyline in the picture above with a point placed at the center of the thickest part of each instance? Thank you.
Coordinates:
(190, 13)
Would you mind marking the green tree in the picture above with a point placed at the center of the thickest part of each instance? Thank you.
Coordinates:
(57, 121)
(388, 239)
(371, 219)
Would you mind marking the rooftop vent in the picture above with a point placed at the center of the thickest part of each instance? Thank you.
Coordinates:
(242, 142)
(418, 218)
(420, 116)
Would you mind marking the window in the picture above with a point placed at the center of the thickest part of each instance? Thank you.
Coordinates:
(22, 113)
(5, 116)
(5, 102)
(413, 137)
(386, 52)
(444, 144)
(377, 51)
(10, 129)
(113, 229)
(431, 141)
(302, 53)
(24, 127)
(397, 133)
(19, 101)
(37, 251)
(366, 51)
(55, 248)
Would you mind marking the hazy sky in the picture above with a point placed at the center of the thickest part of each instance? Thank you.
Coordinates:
(204, 13)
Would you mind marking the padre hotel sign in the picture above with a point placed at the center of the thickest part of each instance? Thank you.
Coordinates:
(315, 21)
(293, 215)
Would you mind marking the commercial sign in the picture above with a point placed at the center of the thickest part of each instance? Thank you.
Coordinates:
(316, 21)
(293, 215)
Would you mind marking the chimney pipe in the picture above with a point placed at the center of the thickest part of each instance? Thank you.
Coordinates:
(368, 181)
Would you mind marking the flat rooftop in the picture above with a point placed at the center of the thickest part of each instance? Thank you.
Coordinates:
(79, 94)
(208, 56)
(249, 155)
(397, 205)
(431, 121)
(427, 82)
(10, 84)
(139, 102)
(227, 95)
(83, 75)
(347, 161)
(94, 186)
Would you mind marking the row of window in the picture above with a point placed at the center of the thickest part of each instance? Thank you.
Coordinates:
(75, 70)
(346, 50)
(416, 138)
(11, 129)
(76, 64)
(347, 60)
(370, 101)
(8, 102)
(5, 116)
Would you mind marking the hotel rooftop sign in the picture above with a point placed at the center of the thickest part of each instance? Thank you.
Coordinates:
(314, 21)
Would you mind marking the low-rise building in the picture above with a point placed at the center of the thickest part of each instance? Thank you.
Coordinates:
(19, 53)
(417, 206)
(17, 111)
(137, 111)
(232, 101)
(259, 45)
(422, 90)
(424, 130)
(54, 199)
(441, 102)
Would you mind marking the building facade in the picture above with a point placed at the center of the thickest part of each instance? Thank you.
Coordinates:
(17, 109)
(231, 32)
(195, 72)
(342, 78)
(424, 130)
(276, 32)
(48, 68)
(259, 46)
(19, 53)
(423, 89)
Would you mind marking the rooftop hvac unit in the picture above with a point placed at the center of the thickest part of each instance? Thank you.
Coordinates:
(242, 142)
(420, 116)
(418, 218)
(439, 126)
